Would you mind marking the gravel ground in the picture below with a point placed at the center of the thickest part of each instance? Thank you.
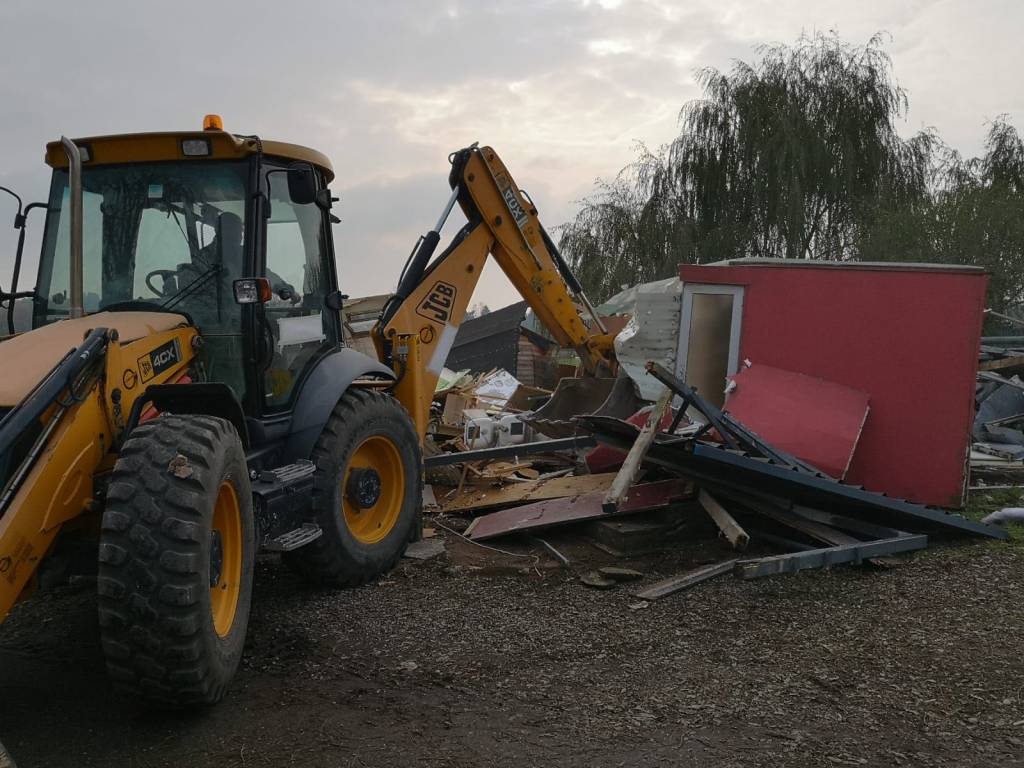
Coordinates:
(443, 665)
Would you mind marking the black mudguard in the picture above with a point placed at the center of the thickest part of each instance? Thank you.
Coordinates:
(320, 392)
(207, 398)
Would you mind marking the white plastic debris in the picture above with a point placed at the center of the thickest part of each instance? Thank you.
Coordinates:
(497, 388)
(1005, 515)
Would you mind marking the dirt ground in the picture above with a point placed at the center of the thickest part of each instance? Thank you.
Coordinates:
(442, 664)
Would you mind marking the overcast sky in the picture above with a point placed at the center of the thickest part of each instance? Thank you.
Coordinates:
(387, 88)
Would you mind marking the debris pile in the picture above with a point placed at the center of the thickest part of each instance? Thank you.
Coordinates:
(822, 433)
(997, 450)
(478, 424)
(670, 473)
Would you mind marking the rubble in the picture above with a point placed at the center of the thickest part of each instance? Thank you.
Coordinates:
(760, 498)
(769, 461)
(997, 450)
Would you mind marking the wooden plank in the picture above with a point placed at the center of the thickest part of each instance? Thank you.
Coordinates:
(630, 468)
(774, 509)
(683, 581)
(1002, 362)
(732, 530)
(476, 497)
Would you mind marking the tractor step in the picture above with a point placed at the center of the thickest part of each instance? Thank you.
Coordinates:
(283, 498)
(294, 539)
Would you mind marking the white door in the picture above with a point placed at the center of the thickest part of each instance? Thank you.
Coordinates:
(709, 337)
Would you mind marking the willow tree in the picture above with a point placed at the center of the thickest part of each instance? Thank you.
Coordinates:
(790, 156)
(973, 214)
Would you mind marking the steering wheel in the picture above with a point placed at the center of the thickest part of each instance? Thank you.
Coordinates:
(164, 273)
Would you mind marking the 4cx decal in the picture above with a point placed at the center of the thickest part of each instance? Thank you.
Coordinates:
(438, 304)
(514, 207)
(159, 360)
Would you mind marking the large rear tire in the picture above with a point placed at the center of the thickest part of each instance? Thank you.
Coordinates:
(367, 494)
(176, 556)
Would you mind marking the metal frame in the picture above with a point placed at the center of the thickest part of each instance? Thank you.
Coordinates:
(828, 556)
(721, 468)
(545, 446)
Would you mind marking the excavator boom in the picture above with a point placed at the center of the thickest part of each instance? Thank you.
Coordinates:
(418, 326)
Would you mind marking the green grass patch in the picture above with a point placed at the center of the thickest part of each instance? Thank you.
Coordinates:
(983, 503)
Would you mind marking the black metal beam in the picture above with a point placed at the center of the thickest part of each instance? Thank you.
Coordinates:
(582, 442)
(829, 556)
(720, 468)
(860, 527)
(690, 397)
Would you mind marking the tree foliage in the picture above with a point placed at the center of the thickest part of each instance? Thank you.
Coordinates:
(797, 156)
(973, 214)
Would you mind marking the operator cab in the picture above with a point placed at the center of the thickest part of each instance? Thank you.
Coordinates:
(172, 220)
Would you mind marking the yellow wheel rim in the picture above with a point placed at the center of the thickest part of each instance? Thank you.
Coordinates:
(225, 559)
(373, 489)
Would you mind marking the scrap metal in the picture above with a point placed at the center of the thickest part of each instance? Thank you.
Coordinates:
(753, 464)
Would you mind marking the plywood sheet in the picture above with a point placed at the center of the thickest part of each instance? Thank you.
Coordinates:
(480, 497)
(815, 420)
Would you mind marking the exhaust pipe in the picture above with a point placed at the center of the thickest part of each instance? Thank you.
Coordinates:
(76, 306)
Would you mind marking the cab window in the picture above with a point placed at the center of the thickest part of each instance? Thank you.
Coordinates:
(297, 261)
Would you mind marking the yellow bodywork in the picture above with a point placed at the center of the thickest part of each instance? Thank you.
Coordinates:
(157, 147)
(37, 352)
(62, 484)
(509, 230)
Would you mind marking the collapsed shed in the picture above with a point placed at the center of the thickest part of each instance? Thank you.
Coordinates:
(817, 408)
(499, 339)
(906, 335)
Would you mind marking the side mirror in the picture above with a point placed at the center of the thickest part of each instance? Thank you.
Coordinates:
(335, 301)
(324, 199)
(301, 183)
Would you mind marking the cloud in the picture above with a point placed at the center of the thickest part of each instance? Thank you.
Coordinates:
(561, 88)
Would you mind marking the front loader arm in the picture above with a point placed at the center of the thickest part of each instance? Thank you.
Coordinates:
(418, 326)
(70, 423)
(528, 256)
(417, 338)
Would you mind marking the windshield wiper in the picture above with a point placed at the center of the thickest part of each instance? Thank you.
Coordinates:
(192, 287)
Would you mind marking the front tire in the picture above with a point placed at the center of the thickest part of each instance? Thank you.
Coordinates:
(367, 492)
(177, 548)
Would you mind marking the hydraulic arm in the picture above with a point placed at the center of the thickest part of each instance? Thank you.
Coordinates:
(418, 326)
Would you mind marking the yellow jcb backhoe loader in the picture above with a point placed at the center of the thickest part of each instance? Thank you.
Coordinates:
(184, 401)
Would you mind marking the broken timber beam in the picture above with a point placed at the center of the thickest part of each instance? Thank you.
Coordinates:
(674, 584)
(631, 466)
(1001, 362)
(726, 523)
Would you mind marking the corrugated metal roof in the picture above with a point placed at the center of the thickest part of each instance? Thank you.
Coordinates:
(497, 350)
(499, 321)
(651, 334)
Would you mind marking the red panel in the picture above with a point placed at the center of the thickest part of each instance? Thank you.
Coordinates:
(908, 338)
(815, 420)
(544, 514)
(604, 458)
